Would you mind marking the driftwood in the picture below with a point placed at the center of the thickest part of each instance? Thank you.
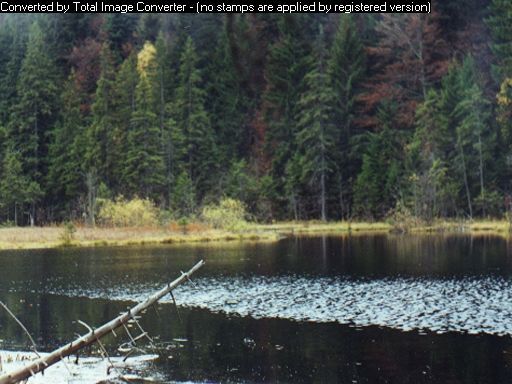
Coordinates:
(40, 364)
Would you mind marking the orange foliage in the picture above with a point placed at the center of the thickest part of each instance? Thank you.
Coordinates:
(411, 56)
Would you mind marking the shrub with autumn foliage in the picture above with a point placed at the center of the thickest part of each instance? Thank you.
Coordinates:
(227, 214)
(128, 213)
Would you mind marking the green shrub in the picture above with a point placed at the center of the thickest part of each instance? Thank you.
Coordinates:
(128, 213)
(229, 214)
(68, 233)
(402, 219)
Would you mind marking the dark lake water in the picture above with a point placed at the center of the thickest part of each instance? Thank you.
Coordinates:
(359, 309)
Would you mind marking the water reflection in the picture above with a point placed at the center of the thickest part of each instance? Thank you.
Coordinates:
(50, 289)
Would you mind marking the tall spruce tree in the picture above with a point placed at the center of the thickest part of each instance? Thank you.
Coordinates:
(16, 188)
(144, 171)
(164, 91)
(35, 112)
(100, 154)
(377, 187)
(194, 149)
(346, 69)
(316, 140)
(500, 25)
(124, 91)
(475, 138)
(284, 71)
(14, 36)
(432, 192)
(66, 152)
(225, 101)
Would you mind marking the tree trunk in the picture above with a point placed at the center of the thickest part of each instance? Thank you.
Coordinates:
(342, 199)
(93, 336)
(468, 195)
(322, 198)
(91, 196)
(322, 184)
(482, 190)
(32, 214)
(294, 206)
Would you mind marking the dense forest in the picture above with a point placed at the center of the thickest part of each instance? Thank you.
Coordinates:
(299, 116)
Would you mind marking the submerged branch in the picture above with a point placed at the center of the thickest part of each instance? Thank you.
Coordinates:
(22, 327)
(93, 335)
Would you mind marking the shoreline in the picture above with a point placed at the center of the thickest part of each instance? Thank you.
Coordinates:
(12, 238)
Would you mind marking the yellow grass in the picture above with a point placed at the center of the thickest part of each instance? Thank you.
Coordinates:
(51, 237)
(311, 227)
(499, 227)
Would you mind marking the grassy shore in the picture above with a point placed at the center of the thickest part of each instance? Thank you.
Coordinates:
(52, 237)
(60, 236)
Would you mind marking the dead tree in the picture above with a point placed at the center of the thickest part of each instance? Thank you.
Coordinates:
(94, 335)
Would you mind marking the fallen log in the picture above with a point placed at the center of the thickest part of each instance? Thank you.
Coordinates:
(40, 364)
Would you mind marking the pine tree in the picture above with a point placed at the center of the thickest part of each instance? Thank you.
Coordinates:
(500, 25)
(432, 190)
(16, 188)
(377, 187)
(124, 105)
(144, 171)
(346, 69)
(465, 137)
(65, 171)
(316, 140)
(183, 199)
(14, 30)
(474, 139)
(148, 27)
(225, 102)
(35, 111)
(164, 82)
(119, 29)
(285, 69)
(194, 150)
(100, 153)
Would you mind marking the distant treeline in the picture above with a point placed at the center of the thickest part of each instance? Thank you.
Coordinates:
(301, 116)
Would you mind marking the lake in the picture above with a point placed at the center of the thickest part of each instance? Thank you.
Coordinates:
(332, 309)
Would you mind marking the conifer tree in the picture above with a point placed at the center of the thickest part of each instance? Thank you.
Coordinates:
(346, 69)
(194, 150)
(144, 167)
(13, 42)
(119, 29)
(16, 188)
(285, 69)
(183, 199)
(225, 101)
(164, 91)
(100, 153)
(500, 25)
(474, 138)
(66, 152)
(432, 189)
(377, 186)
(316, 140)
(35, 112)
(124, 91)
